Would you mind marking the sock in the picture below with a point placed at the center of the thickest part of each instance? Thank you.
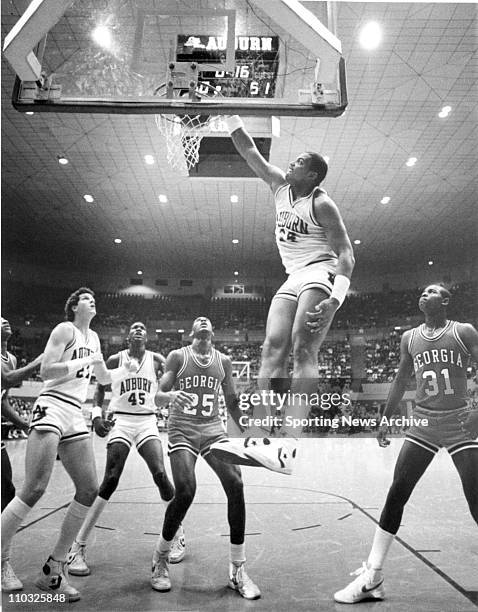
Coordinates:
(381, 543)
(237, 553)
(74, 517)
(93, 515)
(163, 546)
(12, 517)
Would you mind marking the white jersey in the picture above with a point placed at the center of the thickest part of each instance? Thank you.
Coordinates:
(134, 394)
(300, 239)
(73, 388)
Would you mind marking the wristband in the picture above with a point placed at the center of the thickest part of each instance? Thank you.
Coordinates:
(234, 122)
(340, 288)
(96, 412)
(77, 364)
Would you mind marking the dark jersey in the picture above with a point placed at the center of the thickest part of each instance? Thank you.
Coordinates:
(203, 382)
(440, 364)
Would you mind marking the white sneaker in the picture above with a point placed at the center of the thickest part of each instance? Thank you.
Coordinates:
(178, 546)
(9, 581)
(53, 578)
(276, 455)
(240, 582)
(76, 560)
(160, 573)
(367, 585)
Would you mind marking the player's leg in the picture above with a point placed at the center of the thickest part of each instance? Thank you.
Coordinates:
(466, 462)
(78, 460)
(412, 462)
(183, 464)
(39, 460)
(231, 480)
(152, 452)
(116, 455)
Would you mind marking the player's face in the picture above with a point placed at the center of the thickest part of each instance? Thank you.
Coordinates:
(86, 305)
(202, 326)
(137, 332)
(6, 329)
(298, 169)
(431, 299)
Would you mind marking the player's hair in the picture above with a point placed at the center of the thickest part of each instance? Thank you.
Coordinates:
(73, 301)
(319, 165)
(445, 292)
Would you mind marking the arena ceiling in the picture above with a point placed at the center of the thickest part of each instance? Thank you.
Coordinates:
(427, 60)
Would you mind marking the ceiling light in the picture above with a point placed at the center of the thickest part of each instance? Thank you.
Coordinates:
(235, 241)
(385, 200)
(236, 273)
(117, 240)
(162, 198)
(140, 272)
(29, 113)
(430, 263)
(88, 198)
(234, 199)
(180, 331)
(62, 160)
(411, 161)
(149, 159)
(357, 241)
(102, 36)
(370, 36)
(159, 331)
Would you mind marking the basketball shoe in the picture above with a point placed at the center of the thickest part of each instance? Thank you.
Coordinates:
(53, 578)
(10, 582)
(367, 585)
(275, 455)
(160, 580)
(178, 546)
(240, 581)
(76, 560)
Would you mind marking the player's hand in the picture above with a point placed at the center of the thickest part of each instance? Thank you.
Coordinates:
(102, 427)
(471, 424)
(181, 399)
(382, 439)
(96, 358)
(322, 317)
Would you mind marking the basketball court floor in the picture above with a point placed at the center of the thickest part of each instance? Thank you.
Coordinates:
(305, 533)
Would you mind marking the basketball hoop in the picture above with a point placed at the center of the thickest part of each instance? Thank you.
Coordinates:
(183, 133)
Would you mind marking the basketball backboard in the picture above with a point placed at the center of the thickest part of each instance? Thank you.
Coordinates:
(248, 57)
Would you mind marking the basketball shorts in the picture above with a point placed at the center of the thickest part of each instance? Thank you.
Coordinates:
(445, 429)
(59, 416)
(194, 436)
(319, 275)
(133, 429)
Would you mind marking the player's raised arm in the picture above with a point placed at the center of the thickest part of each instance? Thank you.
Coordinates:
(230, 394)
(398, 387)
(11, 378)
(247, 149)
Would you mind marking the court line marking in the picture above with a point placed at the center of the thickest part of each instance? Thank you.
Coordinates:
(307, 527)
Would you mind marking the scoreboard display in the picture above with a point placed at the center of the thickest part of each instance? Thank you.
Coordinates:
(256, 63)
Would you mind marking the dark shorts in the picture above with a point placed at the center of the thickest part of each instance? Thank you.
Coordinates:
(445, 429)
(194, 436)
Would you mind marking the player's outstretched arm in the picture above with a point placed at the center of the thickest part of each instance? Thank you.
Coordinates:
(11, 414)
(230, 397)
(165, 394)
(246, 148)
(10, 378)
(100, 424)
(398, 387)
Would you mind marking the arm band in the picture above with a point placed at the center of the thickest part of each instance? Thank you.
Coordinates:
(234, 122)
(96, 412)
(340, 288)
(77, 364)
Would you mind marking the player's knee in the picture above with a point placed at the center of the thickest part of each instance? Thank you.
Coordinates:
(184, 495)
(158, 476)
(235, 487)
(109, 485)
(273, 349)
(33, 493)
(303, 351)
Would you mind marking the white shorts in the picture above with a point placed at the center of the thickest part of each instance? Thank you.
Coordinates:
(132, 429)
(63, 417)
(320, 275)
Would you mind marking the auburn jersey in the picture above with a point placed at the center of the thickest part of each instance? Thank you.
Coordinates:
(134, 394)
(440, 364)
(74, 386)
(300, 239)
(202, 381)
